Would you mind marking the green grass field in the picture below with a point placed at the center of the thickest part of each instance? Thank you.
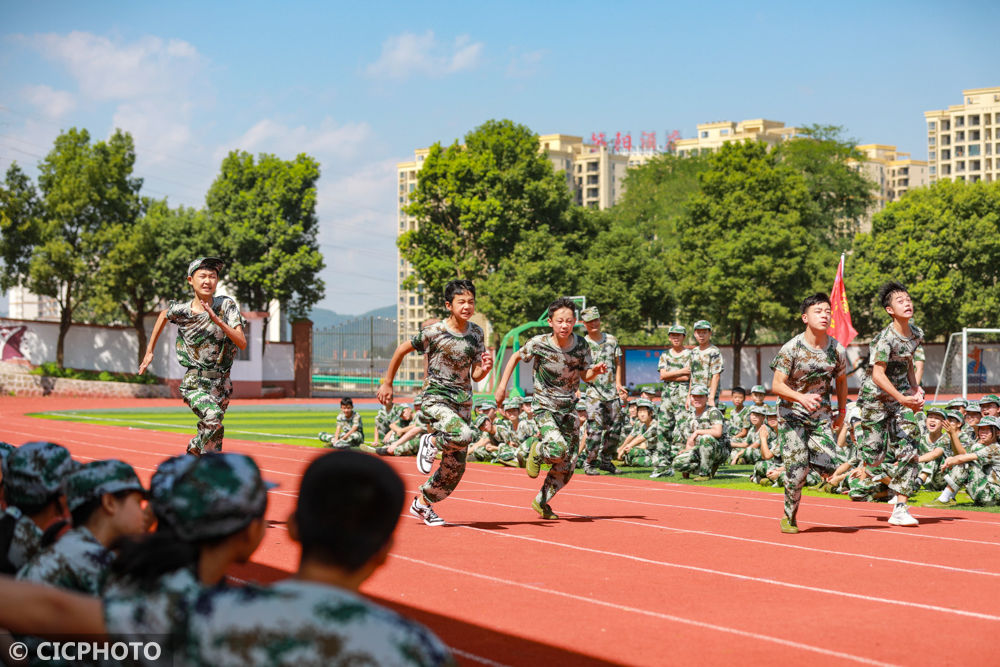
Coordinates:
(300, 424)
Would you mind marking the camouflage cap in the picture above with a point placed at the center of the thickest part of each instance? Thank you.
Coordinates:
(480, 421)
(590, 314)
(989, 421)
(5, 449)
(973, 406)
(648, 390)
(644, 403)
(702, 324)
(162, 482)
(34, 472)
(214, 495)
(417, 401)
(759, 410)
(771, 410)
(94, 479)
(956, 415)
(989, 398)
(936, 410)
(956, 402)
(677, 329)
(699, 390)
(213, 263)
(581, 406)
(488, 404)
(512, 403)
(635, 401)
(758, 389)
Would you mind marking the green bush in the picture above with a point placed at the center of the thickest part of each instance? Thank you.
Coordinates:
(51, 369)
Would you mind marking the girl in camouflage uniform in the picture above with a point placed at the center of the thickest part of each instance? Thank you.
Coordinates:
(977, 471)
(562, 359)
(206, 347)
(456, 357)
(635, 451)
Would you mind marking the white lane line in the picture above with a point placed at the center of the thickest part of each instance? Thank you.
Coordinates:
(655, 614)
(186, 428)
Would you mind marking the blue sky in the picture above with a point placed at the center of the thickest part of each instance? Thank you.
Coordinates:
(360, 85)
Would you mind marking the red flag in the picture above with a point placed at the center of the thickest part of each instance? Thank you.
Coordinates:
(840, 324)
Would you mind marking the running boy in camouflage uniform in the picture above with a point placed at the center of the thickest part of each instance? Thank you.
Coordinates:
(804, 369)
(456, 357)
(675, 370)
(562, 359)
(350, 431)
(209, 331)
(603, 397)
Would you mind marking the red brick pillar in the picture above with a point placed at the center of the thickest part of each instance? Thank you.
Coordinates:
(302, 344)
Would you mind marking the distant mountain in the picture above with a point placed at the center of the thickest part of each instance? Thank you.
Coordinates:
(324, 318)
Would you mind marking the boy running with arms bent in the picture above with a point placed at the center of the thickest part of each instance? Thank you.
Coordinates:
(803, 371)
(562, 359)
(456, 357)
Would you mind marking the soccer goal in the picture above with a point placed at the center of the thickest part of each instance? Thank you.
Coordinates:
(971, 363)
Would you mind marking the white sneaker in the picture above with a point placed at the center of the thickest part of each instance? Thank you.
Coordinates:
(426, 454)
(901, 516)
(426, 514)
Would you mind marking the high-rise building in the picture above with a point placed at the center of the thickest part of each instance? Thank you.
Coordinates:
(894, 172)
(963, 141)
(712, 135)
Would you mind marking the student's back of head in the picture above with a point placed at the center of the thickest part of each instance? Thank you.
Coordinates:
(348, 507)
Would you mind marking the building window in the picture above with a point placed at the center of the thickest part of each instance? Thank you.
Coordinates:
(974, 135)
(946, 125)
(946, 154)
(973, 150)
(933, 170)
(975, 165)
(960, 135)
(724, 132)
(932, 155)
(931, 125)
(974, 120)
(413, 300)
(959, 121)
(930, 141)
(592, 192)
(592, 179)
(592, 166)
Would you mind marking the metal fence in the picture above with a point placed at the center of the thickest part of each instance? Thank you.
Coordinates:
(352, 357)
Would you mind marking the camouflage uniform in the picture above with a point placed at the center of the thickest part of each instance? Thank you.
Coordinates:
(763, 466)
(207, 354)
(355, 439)
(385, 417)
(737, 421)
(673, 401)
(295, 622)
(806, 437)
(527, 433)
(557, 375)
(641, 456)
(447, 401)
(507, 443)
(932, 469)
(709, 452)
(981, 478)
(603, 404)
(883, 424)
(398, 421)
(704, 364)
(32, 474)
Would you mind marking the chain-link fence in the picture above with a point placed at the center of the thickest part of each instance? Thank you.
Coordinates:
(351, 358)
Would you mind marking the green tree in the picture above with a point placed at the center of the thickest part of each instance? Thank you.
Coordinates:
(746, 251)
(827, 161)
(85, 188)
(145, 263)
(474, 201)
(20, 226)
(655, 195)
(265, 215)
(943, 243)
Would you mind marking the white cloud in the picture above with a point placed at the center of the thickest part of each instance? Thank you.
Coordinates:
(329, 141)
(50, 102)
(408, 54)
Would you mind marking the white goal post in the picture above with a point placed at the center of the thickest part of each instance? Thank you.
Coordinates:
(955, 367)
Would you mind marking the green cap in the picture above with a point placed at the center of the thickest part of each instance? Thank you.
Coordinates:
(937, 410)
(956, 415)
(488, 404)
(644, 403)
(956, 402)
(758, 389)
(213, 263)
(417, 400)
(648, 390)
(480, 421)
(92, 480)
(34, 472)
(702, 324)
(214, 495)
(590, 314)
(635, 401)
(758, 410)
(512, 403)
(990, 421)
(581, 406)
(699, 390)
(772, 410)
(677, 329)
(989, 398)
(973, 406)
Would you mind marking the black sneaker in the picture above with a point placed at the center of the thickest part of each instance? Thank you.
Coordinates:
(426, 514)
(608, 466)
(382, 451)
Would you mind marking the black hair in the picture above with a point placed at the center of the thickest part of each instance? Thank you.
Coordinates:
(143, 559)
(348, 507)
(33, 508)
(886, 291)
(814, 299)
(559, 304)
(456, 287)
(344, 402)
(81, 515)
(738, 390)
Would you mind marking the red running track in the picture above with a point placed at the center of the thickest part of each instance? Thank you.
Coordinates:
(636, 572)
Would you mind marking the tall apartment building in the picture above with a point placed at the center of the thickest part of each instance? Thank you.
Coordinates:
(593, 174)
(963, 141)
(893, 171)
(712, 135)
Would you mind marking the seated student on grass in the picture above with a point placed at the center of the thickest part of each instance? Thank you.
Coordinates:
(737, 421)
(386, 415)
(941, 441)
(700, 430)
(747, 450)
(990, 405)
(770, 470)
(506, 431)
(408, 442)
(349, 432)
(32, 484)
(973, 413)
(491, 448)
(978, 472)
(635, 450)
(210, 514)
(757, 394)
(404, 428)
(527, 430)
